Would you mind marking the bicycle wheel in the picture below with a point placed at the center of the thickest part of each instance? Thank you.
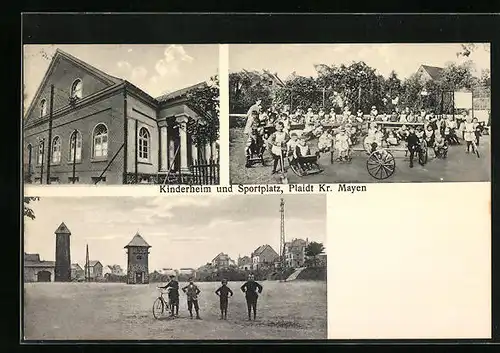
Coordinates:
(158, 308)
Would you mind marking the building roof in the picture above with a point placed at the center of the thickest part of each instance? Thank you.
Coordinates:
(220, 255)
(261, 249)
(92, 263)
(76, 266)
(44, 264)
(434, 72)
(32, 257)
(138, 241)
(179, 93)
(62, 229)
(187, 269)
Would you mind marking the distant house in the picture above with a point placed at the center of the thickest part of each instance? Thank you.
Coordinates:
(37, 270)
(430, 73)
(115, 270)
(295, 252)
(244, 263)
(222, 261)
(77, 272)
(263, 256)
(95, 270)
(168, 272)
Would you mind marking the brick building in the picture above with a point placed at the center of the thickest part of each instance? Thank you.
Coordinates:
(137, 260)
(264, 256)
(104, 129)
(37, 270)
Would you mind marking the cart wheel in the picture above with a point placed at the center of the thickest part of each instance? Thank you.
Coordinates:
(158, 308)
(381, 164)
(297, 170)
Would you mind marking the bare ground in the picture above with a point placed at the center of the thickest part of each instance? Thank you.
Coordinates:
(458, 167)
(99, 311)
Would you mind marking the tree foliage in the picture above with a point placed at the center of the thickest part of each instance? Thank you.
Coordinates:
(28, 211)
(245, 88)
(313, 249)
(205, 101)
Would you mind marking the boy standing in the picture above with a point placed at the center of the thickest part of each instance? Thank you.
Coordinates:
(192, 292)
(250, 288)
(413, 142)
(173, 295)
(224, 292)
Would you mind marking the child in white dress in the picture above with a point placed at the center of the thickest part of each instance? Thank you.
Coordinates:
(342, 144)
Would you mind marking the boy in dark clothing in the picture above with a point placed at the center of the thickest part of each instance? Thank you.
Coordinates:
(250, 289)
(173, 295)
(224, 292)
(192, 292)
(413, 143)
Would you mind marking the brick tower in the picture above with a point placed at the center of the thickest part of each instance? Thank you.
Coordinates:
(63, 257)
(137, 262)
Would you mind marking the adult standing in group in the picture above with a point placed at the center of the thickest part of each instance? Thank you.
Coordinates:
(251, 116)
(192, 292)
(252, 289)
(173, 295)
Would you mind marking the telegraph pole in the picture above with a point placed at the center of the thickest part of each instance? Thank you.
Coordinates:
(282, 237)
(49, 151)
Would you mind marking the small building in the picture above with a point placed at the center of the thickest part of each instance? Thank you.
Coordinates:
(430, 73)
(295, 253)
(168, 272)
(137, 260)
(37, 270)
(187, 272)
(264, 256)
(222, 261)
(77, 272)
(244, 263)
(95, 271)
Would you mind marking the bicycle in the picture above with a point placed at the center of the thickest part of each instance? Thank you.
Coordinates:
(160, 305)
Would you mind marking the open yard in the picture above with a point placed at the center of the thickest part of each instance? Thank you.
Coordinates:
(458, 167)
(99, 311)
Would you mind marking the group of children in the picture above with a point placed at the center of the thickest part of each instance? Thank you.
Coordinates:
(340, 131)
(251, 288)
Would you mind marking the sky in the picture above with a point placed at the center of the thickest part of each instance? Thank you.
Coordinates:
(405, 59)
(184, 231)
(156, 69)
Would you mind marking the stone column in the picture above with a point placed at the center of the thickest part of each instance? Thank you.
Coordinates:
(182, 121)
(194, 151)
(164, 148)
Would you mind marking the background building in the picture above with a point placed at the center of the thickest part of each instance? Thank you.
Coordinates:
(264, 256)
(104, 129)
(138, 259)
(36, 270)
(77, 272)
(295, 253)
(222, 261)
(244, 263)
(95, 271)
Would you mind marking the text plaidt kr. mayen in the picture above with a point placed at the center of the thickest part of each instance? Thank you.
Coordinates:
(264, 189)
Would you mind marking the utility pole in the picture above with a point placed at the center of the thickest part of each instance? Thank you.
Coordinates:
(282, 235)
(87, 264)
(49, 150)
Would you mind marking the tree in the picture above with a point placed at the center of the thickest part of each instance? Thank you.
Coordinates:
(300, 91)
(458, 76)
(28, 211)
(313, 249)
(205, 101)
(468, 48)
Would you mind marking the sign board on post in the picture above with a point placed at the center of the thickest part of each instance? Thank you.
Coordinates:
(463, 100)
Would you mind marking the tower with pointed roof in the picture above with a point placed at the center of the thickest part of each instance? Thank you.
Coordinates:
(137, 260)
(63, 257)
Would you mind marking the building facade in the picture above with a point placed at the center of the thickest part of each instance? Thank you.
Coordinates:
(137, 260)
(63, 254)
(77, 272)
(295, 253)
(95, 270)
(264, 256)
(222, 261)
(244, 263)
(105, 130)
(37, 270)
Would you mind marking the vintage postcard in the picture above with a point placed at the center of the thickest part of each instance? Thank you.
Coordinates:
(183, 267)
(121, 114)
(336, 113)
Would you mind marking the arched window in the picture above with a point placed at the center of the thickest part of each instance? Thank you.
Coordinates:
(43, 107)
(100, 139)
(39, 157)
(144, 144)
(75, 147)
(56, 150)
(76, 89)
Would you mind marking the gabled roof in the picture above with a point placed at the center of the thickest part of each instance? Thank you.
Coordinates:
(111, 80)
(138, 241)
(92, 263)
(434, 72)
(76, 266)
(179, 93)
(260, 250)
(220, 255)
(62, 229)
(32, 257)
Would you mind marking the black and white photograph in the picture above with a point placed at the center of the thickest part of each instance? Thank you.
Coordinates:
(121, 114)
(379, 112)
(195, 267)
